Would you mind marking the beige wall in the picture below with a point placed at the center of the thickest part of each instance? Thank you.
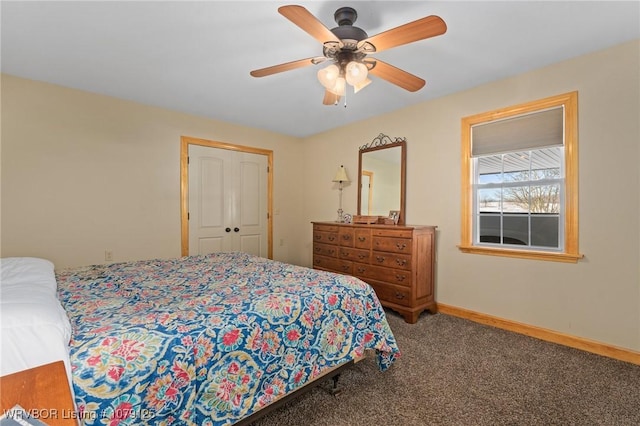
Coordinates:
(597, 298)
(82, 173)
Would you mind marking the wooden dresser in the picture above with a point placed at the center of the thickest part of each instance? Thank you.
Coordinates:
(397, 261)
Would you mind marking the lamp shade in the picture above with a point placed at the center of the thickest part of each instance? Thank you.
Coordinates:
(341, 175)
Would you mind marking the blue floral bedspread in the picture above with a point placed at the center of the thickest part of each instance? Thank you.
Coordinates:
(209, 340)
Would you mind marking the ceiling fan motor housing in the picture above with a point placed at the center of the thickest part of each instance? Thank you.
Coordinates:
(345, 17)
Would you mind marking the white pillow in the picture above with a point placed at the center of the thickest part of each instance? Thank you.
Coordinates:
(34, 327)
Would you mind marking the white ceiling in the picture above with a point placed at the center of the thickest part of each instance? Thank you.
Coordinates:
(195, 57)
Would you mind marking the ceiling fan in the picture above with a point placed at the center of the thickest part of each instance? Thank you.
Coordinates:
(347, 47)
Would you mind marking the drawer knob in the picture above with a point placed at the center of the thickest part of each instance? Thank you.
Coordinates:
(361, 270)
(362, 256)
(380, 259)
(346, 237)
(400, 277)
(344, 254)
(401, 262)
(345, 267)
(362, 239)
(399, 295)
(331, 238)
(401, 246)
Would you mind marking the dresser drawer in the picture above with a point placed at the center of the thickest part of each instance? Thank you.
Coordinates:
(394, 233)
(326, 228)
(392, 276)
(392, 260)
(345, 267)
(326, 237)
(333, 264)
(396, 245)
(346, 236)
(362, 238)
(325, 249)
(392, 294)
(357, 255)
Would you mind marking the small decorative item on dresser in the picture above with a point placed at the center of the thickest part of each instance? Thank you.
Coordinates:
(365, 219)
(394, 215)
(347, 218)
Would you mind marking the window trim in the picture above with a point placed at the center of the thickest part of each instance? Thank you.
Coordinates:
(571, 250)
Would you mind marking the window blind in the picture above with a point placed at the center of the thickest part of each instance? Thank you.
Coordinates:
(536, 130)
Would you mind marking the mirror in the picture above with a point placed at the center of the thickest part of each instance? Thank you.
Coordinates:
(381, 177)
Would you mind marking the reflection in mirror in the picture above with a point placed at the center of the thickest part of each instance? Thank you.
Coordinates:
(381, 177)
(381, 170)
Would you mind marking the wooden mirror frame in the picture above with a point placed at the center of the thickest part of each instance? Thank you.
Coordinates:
(385, 142)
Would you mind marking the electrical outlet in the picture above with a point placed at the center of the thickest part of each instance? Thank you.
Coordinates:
(108, 255)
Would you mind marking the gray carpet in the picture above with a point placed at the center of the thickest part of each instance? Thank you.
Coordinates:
(457, 372)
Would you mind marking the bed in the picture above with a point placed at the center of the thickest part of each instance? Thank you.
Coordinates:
(210, 340)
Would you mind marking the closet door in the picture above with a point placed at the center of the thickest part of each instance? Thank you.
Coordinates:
(249, 201)
(227, 201)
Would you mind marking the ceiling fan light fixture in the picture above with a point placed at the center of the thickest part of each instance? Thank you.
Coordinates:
(328, 76)
(339, 87)
(361, 85)
(347, 48)
(356, 72)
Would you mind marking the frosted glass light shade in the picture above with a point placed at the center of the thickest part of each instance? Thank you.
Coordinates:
(356, 72)
(359, 86)
(328, 76)
(339, 87)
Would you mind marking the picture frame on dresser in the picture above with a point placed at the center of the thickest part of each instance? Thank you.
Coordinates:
(394, 215)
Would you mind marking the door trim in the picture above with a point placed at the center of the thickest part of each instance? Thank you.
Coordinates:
(185, 141)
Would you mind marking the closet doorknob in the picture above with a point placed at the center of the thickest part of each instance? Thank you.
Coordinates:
(228, 230)
(236, 229)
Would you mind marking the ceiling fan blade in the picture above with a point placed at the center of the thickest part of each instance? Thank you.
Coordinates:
(397, 76)
(307, 22)
(330, 98)
(262, 72)
(426, 27)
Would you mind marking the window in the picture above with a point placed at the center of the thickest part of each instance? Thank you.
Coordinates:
(520, 181)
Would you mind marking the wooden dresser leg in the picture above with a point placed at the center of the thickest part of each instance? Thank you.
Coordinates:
(411, 317)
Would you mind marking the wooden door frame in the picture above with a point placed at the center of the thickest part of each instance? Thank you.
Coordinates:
(185, 141)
